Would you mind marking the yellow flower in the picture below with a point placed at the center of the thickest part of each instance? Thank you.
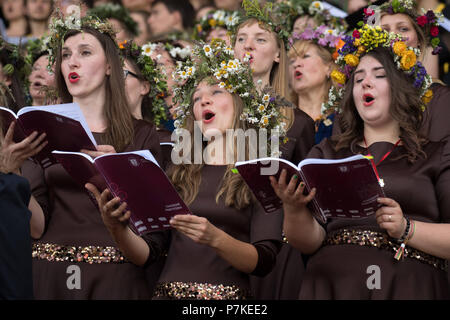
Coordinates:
(399, 48)
(361, 49)
(427, 96)
(408, 60)
(212, 22)
(351, 60)
(356, 42)
(338, 76)
(261, 108)
(199, 28)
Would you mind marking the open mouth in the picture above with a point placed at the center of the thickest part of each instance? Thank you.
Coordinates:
(37, 84)
(368, 99)
(297, 74)
(208, 116)
(73, 77)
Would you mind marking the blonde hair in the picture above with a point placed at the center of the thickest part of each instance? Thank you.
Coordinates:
(279, 73)
(298, 49)
(421, 38)
(187, 177)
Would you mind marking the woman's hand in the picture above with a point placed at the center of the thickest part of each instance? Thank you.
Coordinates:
(113, 213)
(101, 150)
(12, 155)
(197, 228)
(390, 217)
(290, 196)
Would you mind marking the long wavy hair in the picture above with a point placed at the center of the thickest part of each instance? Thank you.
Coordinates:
(279, 80)
(405, 108)
(187, 177)
(120, 131)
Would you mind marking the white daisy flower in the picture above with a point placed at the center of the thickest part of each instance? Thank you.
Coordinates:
(208, 51)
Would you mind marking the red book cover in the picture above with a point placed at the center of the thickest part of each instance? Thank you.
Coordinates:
(64, 125)
(134, 177)
(346, 188)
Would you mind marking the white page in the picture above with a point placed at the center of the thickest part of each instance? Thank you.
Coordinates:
(263, 160)
(77, 153)
(143, 153)
(8, 110)
(69, 110)
(325, 161)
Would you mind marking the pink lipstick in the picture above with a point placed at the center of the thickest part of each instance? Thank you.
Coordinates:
(73, 77)
(368, 99)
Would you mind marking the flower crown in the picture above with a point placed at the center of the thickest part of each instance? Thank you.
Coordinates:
(367, 39)
(60, 25)
(428, 21)
(151, 73)
(36, 48)
(290, 10)
(322, 36)
(265, 15)
(214, 19)
(118, 12)
(18, 64)
(215, 62)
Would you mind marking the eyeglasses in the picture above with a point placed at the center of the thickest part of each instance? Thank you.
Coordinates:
(127, 72)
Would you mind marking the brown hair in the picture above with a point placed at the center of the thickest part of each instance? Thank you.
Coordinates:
(405, 108)
(187, 177)
(120, 131)
(298, 49)
(279, 80)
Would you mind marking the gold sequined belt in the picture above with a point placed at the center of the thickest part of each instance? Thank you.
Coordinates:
(198, 291)
(89, 254)
(383, 241)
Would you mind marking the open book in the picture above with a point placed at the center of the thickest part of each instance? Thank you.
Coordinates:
(64, 125)
(346, 188)
(136, 178)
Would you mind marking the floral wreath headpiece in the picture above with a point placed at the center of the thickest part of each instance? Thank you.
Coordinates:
(290, 10)
(36, 48)
(18, 64)
(323, 36)
(214, 19)
(60, 25)
(118, 12)
(17, 58)
(367, 39)
(176, 51)
(429, 20)
(265, 16)
(215, 62)
(151, 73)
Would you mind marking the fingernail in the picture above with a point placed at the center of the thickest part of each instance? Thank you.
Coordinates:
(301, 184)
(295, 176)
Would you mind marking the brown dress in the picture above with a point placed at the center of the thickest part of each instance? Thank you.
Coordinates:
(198, 268)
(73, 220)
(283, 283)
(343, 271)
(437, 117)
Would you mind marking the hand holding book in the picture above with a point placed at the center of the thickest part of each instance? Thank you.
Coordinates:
(292, 195)
(12, 155)
(346, 188)
(102, 149)
(113, 211)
